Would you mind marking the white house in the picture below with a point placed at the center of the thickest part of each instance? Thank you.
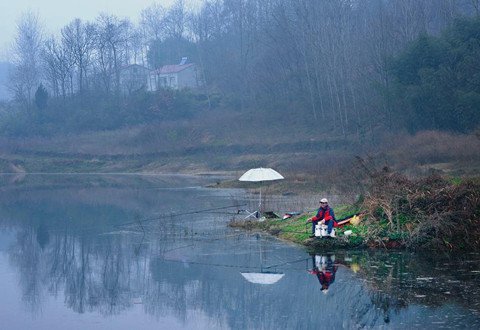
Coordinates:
(133, 77)
(174, 76)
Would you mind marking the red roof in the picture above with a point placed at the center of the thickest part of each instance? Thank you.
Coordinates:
(173, 68)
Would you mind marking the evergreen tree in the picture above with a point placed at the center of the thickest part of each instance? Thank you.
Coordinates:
(41, 97)
(438, 82)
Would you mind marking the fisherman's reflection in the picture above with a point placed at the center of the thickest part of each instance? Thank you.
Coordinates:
(325, 268)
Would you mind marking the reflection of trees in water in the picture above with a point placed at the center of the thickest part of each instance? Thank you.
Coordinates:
(223, 293)
(76, 277)
(91, 278)
(58, 246)
(108, 273)
(27, 256)
(68, 251)
(104, 273)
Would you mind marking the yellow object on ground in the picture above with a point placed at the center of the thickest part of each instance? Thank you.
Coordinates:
(355, 220)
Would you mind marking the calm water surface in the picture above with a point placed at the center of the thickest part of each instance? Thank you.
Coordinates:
(133, 252)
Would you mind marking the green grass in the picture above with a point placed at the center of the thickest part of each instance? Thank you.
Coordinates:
(297, 230)
(455, 180)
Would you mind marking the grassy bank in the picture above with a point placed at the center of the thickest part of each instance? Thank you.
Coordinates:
(218, 145)
(431, 213)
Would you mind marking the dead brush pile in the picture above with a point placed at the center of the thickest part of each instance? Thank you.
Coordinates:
(427, 213)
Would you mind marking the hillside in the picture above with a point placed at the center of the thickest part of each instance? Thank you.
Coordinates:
(216, 145)
(420, 115)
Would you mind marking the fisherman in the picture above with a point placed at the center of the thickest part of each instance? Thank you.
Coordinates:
(325, 215)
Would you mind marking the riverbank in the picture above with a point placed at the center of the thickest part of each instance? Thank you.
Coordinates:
(439, 212)
(431, 213)
(176, 148)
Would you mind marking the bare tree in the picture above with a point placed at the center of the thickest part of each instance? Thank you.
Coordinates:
(56, 68)
(208, 27)
(153, 22)
(136, 46)
(175, 20)
(27, 49)
(111, 38)
(79, 39)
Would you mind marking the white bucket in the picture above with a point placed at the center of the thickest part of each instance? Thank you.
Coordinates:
(324, 230)
(332, 234)
(321, 230)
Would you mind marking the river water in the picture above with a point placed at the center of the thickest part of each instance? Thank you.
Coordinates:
(155, 252)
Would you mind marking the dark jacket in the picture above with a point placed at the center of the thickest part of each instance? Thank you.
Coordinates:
(326, 214)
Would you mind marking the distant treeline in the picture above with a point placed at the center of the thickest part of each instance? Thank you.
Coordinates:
(355, 66)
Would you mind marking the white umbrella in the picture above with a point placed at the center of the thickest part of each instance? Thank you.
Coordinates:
(259, 175)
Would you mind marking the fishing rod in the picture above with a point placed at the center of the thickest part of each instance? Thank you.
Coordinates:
(142, 221)
(293, 231)
(178, 214)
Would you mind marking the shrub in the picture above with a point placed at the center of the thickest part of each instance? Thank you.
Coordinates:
(435, 212)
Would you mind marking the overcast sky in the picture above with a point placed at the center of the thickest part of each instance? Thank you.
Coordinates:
(55, 14)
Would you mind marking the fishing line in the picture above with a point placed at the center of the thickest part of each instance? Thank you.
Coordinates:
(198, 238)
(165, 216)
(211, 264)
(286, 263)
(236, 266)
(178, 248)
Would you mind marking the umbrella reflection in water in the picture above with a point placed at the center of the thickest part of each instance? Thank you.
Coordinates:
(264, 276)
